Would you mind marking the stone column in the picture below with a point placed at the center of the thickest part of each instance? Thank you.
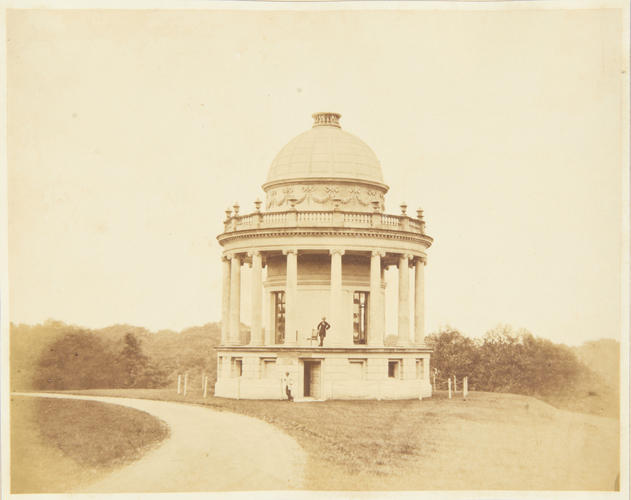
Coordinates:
(225, 298)
(336, 307)
(267, 316)
(291, 295)
(376, 309)
(404, 301)
(256, 332)
(384, 285)
(419, 300)
(234, 336)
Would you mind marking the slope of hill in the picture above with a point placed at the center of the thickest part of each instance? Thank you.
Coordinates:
(603, 358)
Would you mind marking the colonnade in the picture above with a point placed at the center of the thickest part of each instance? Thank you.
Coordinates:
(231, 298)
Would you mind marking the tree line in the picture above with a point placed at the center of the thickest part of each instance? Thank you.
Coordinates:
(57, 356)
(506, 361)
(83, 360)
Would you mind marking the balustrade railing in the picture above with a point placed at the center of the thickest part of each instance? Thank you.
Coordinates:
(294, 218)
(390, 220)
(317, 217)
(358, 218)
(272, 218)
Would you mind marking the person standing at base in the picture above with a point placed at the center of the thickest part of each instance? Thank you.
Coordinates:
(288, 384)
(322, 327)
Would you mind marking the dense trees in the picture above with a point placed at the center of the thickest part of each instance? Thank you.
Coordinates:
(43, 356)
(83, 360)
(454, 354)
(505, 361)
(77, 360)
(56, 356)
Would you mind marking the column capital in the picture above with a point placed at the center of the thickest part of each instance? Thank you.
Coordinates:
(379, 253)
(334, 251)
(290, 251)
(420, 258)
(254, 253)
(226, 257)
(406, 258)
(235, 256)
(232, 256)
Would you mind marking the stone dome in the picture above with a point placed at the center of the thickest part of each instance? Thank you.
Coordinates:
(325, 152)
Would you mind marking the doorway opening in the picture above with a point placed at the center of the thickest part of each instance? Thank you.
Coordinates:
(312, 379)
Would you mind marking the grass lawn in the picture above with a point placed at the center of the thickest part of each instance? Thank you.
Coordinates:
(59, 444)
(489, 441)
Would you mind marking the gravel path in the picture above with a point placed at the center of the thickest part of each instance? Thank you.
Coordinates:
(207, 451)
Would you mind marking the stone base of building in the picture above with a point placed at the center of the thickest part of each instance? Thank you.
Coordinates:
(321, 373)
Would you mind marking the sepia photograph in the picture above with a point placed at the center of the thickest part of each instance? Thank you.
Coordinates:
(316, 249)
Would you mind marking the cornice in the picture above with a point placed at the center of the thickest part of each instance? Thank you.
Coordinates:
(320, 180)
(330, 232)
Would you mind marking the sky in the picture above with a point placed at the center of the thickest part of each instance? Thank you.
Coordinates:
(130, 132)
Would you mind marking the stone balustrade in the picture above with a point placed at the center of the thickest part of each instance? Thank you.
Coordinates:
(336, 218)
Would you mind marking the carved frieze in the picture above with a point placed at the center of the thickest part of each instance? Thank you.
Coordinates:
(323, 197)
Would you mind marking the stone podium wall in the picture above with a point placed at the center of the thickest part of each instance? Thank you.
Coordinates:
(343, 375)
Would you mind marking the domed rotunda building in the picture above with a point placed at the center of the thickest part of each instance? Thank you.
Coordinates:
(319, 248)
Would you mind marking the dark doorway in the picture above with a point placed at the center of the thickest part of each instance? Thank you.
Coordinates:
(312, 378)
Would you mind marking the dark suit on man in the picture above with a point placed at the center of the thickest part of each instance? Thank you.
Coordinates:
(323, 326)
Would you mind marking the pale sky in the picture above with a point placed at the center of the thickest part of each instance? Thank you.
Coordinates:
(130, 132)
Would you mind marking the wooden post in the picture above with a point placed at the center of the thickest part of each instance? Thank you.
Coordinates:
(205, 385)
(455, 384)
(449, 386)
(465, 387)
(435, 379)
(179, 383)
(185, 382)
(203, 380)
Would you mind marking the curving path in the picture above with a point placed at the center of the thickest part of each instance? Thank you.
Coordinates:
(207, 450)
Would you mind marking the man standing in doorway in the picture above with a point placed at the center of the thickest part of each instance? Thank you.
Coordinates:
(323, 326)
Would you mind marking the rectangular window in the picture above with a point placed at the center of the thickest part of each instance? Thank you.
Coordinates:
(357, 368)
(420, 368)
(237, 367)
(268, 367)
(360, 317)
(394, 368)
(219, 366)
(279, 317)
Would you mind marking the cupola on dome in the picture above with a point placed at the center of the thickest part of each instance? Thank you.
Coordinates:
(326, 151)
